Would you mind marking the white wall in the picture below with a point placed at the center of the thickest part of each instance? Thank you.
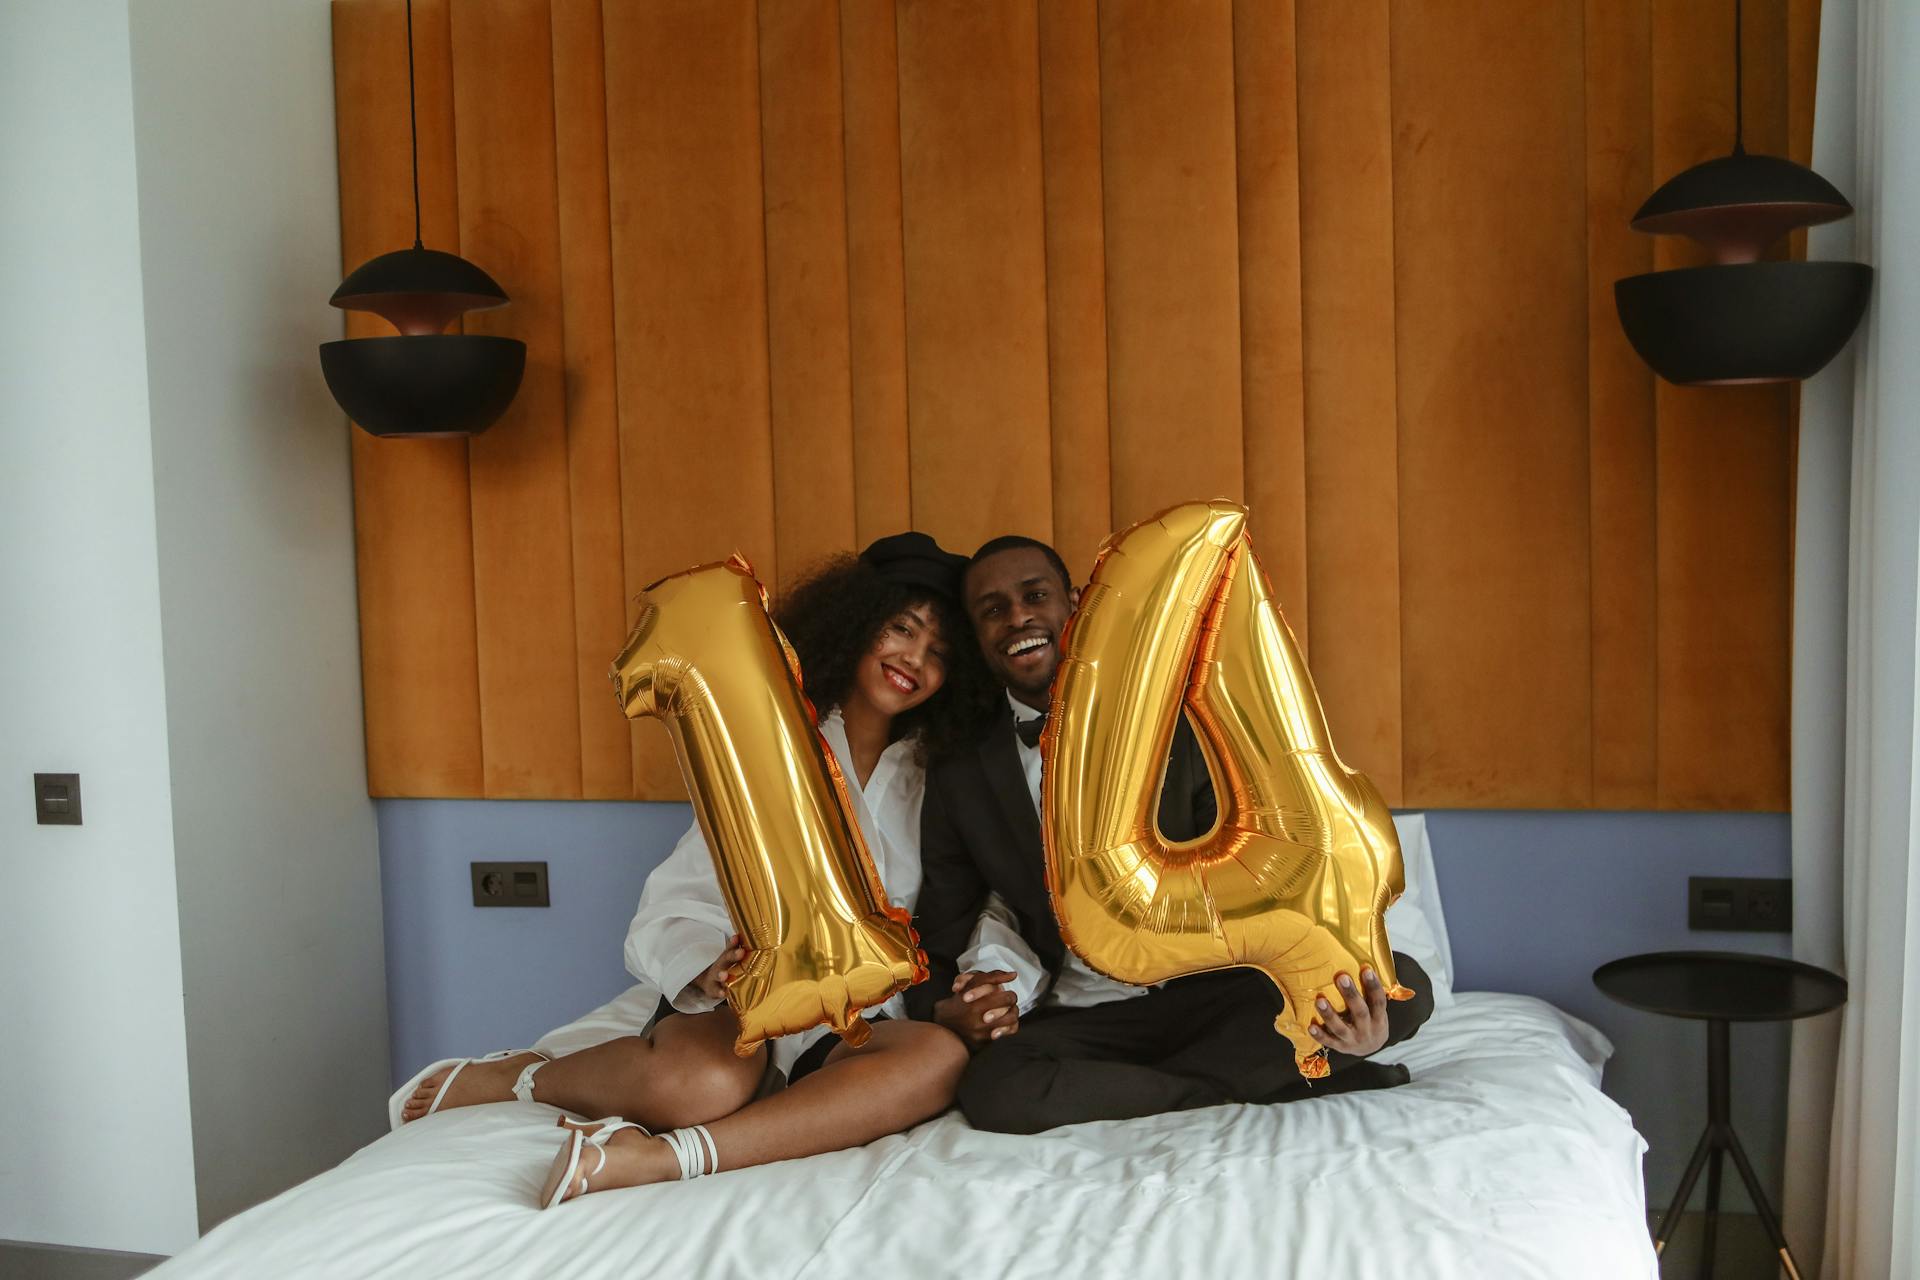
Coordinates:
(274, 836)
(192, 986)
(95, 1147)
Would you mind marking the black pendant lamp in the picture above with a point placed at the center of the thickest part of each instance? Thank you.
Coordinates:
(425, 382)
(1742, 320)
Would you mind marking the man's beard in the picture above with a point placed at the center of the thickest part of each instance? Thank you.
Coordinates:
(1034, 692)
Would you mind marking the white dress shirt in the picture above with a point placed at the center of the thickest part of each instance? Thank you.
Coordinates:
(997, 944)
(1076, 986)
(682, 925)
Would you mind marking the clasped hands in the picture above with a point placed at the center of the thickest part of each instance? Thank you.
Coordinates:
(982, 1009)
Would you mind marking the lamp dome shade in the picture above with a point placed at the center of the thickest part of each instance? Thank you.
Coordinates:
(1743, 323)
(425, 384)
(1737, 205)
(418, 291)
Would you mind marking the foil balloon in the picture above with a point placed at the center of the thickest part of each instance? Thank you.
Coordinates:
(1296, 877)
(822, 941)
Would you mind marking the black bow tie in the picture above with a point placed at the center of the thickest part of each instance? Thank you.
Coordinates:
(1029, 730)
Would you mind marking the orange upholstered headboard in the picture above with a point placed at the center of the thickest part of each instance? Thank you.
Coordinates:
(797, 274)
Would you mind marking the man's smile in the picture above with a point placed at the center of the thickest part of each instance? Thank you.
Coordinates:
(1028, 644)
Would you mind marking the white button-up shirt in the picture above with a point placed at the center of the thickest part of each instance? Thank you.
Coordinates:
(1076, 985)
(682, 925)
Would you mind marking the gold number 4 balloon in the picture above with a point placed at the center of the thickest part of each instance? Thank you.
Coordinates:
(1297, 875)
(822, 941)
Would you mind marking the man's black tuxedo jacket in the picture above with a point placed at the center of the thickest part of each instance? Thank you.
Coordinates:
(979, 834)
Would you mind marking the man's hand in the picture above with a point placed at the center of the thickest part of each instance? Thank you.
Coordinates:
(1362, 1030)
(980, 1008)
(713, 983)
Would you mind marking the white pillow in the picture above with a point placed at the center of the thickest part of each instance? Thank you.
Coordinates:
(1415, 924)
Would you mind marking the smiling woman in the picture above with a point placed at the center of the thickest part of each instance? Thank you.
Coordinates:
(910, 652)
(699, 1086)
(852, 625)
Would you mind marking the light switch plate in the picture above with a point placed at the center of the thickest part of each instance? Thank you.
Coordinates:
(56, 799)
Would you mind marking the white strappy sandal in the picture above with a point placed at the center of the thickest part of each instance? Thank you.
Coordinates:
(693, 1149)
(522, 1087)
(565, 1173)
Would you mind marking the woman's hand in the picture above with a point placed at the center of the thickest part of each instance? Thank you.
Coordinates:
(713, 983)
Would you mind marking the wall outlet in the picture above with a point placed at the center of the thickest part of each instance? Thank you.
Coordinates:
(1739, 904)
(509, 884)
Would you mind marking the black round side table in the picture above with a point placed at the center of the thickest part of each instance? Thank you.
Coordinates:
(1721, 988)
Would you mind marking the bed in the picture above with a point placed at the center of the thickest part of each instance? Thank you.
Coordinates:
(1502, 1158)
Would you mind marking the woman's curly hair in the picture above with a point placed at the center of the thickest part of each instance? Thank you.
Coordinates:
(833, 618)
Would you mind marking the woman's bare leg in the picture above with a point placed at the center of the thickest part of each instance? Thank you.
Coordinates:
(907, 1072)
(683, 1072)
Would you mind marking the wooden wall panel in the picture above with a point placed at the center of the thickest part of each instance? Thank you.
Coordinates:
(1495, 711)
(1620, 416)
(522, 524)
(1076, 279)
(974, 215)
(809, 360)
(1173, 253)
(876, 268)
(1803, 63)
(1272, 380)
(593, 422)
(1722, 481)
(412, 521)
(1352, 409)
(1764, 48)
(795, 274)
(1802, 36)
(690, 302)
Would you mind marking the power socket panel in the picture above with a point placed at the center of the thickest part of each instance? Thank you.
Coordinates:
(1739, 904)
(509, 884)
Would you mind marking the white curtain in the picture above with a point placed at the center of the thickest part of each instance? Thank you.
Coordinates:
(1853, 1141)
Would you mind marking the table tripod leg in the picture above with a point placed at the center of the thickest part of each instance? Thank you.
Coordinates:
(1760, 1205)
(1671, 1218)
(1710, 1227)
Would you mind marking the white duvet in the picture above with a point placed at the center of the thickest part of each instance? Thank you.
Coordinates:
(1502, 1158)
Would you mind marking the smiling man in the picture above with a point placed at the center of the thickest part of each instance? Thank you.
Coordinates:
(1082, 1046)
(1017, 594)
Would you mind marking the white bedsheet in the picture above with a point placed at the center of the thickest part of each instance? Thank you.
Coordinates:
(1501, 1159)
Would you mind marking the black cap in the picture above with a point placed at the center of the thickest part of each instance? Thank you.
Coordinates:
(913, 559)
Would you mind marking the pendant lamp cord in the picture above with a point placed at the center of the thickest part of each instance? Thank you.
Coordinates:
(1739, 143)
(413, 128)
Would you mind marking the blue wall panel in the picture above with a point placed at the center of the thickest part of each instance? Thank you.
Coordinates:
(1534, 902)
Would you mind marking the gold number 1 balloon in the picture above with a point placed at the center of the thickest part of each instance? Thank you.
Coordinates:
(1296, 877)
(822, 941)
